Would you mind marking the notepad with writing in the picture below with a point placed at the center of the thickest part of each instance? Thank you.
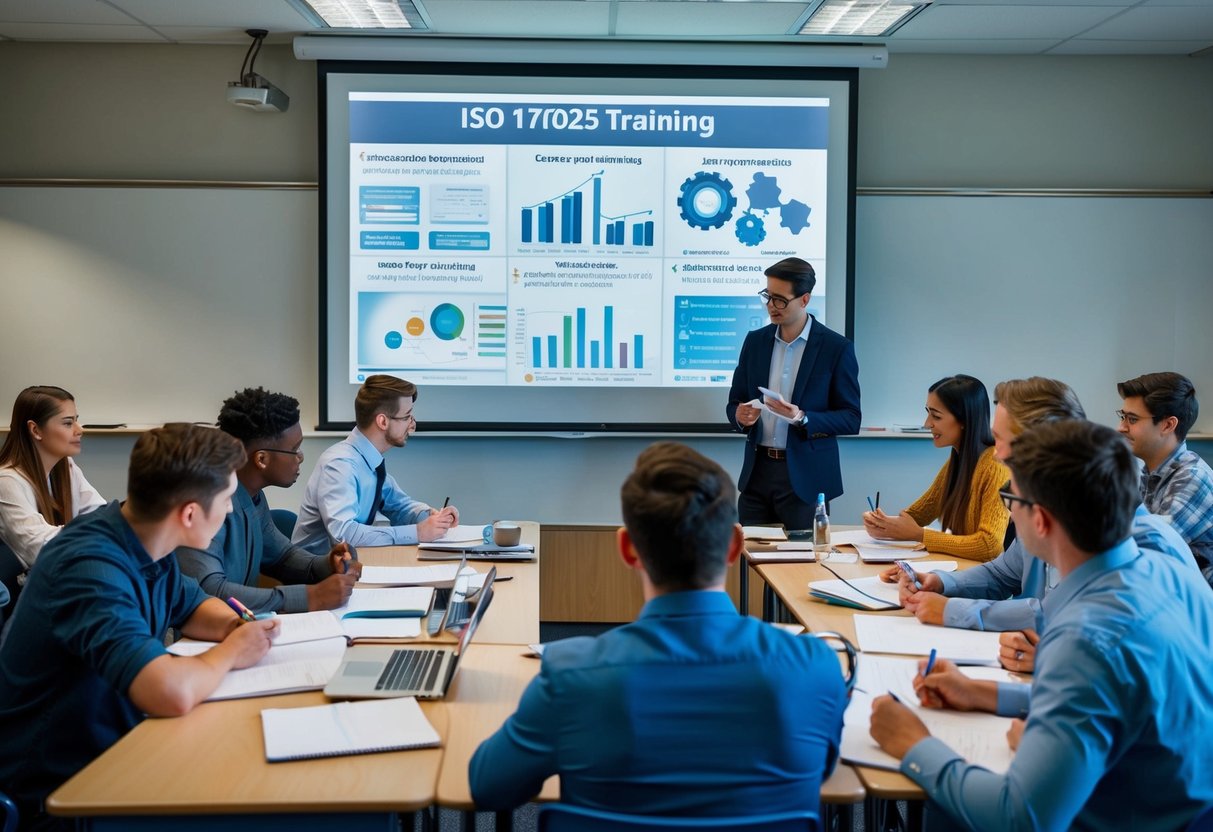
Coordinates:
(346, 728)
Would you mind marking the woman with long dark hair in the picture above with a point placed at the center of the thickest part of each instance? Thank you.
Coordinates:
(964, 496)
(41, 487)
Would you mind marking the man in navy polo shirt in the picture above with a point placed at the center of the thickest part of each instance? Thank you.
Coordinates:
(85, 658)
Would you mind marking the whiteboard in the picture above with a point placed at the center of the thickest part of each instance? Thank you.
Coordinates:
(153, 304)
(1089, 290)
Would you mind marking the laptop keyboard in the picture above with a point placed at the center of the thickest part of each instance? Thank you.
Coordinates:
(411, 670)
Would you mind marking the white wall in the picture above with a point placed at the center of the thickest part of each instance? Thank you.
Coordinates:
(157, 112)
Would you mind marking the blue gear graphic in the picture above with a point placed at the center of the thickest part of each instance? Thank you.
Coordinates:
(695, 187)
(750, 230)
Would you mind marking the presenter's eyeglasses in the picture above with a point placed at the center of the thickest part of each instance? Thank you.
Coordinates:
(408, 417)
(1129, 419)
(1009, 500)
(777, 301)
(297, 453)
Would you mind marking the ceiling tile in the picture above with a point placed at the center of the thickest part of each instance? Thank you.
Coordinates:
(275, 15)
(61, 11)
(1009, 46)
(76, 32)
(519, 17)
(997, 22)
(1158, 23)
(688, 19)
(1092, 46)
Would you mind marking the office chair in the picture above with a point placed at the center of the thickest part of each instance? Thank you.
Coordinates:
(284, 519)
(852, 657)
(560, 817)
(11, 568)
(9, 810)
(1202, 822)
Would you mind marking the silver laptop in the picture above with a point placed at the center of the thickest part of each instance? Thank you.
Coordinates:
(421, 670)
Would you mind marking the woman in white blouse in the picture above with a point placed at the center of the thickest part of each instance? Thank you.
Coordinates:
(41, 488)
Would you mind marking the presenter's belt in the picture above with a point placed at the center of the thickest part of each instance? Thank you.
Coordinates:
(772, 453)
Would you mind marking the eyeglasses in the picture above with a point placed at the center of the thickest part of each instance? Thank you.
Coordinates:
(408, 417)
(298, 453)
(1129, 419)
(777, 301)
(1009, 500)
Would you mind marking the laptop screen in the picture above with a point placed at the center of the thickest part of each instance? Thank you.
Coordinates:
(481, 606)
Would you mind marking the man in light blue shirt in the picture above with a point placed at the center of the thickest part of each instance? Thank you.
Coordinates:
(692, 709)
(1120, 711)
(350, 484)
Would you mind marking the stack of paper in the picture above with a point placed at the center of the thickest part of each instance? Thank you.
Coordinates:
(909, 636)
(978, 737)
(764, 533)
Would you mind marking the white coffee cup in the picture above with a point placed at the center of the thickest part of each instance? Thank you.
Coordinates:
(506, 533)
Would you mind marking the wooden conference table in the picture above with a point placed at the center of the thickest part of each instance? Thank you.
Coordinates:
(177, 772)
(790, 582)
(208, 768)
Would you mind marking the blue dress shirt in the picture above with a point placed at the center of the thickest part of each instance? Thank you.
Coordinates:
(338, 498)
(94, 612)
(247, 545)
(1120, 732)
(690, 710)
(785, 364)
(975, 595)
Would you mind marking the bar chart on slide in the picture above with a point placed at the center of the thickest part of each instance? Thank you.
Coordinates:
(578, 217)
(567, 346)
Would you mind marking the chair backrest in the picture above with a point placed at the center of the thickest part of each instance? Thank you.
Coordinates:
(10, 813)
(560, 817)
(285, 520)
(852, 674)
(10, 568)
(1203, 822)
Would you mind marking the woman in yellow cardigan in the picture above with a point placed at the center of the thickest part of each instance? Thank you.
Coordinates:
(964, 495)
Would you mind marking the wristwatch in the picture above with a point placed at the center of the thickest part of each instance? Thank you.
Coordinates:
(804, 419)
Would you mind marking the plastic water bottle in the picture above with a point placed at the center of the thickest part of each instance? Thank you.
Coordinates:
(821, 527)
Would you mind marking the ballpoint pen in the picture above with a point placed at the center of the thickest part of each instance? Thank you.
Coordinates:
(930, 663)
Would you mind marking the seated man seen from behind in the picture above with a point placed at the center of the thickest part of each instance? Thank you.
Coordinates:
(690, 710)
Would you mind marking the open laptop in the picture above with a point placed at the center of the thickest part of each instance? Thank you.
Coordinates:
(421, 670)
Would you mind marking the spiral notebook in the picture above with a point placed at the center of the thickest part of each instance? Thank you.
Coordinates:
(346, 728)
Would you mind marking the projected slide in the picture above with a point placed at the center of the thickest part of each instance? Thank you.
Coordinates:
(555, 240)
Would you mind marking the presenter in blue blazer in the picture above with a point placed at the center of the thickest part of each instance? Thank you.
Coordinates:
(790, 460)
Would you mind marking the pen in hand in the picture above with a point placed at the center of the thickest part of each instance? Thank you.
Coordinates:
(877, 506)
(930, 664)
(241, 610)
(870, 505)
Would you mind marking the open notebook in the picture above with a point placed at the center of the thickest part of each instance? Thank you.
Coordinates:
(345, 728)
(309, 646)
(980, 738)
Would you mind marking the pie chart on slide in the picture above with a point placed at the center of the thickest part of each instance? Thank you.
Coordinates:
(446, 321)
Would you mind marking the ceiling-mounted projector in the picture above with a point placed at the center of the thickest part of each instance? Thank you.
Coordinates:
(253, 91)
(256, 93)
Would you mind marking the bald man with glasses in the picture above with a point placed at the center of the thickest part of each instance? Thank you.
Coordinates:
(791, 452)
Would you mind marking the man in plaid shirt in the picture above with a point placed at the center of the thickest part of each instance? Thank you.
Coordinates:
(1159, 409)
